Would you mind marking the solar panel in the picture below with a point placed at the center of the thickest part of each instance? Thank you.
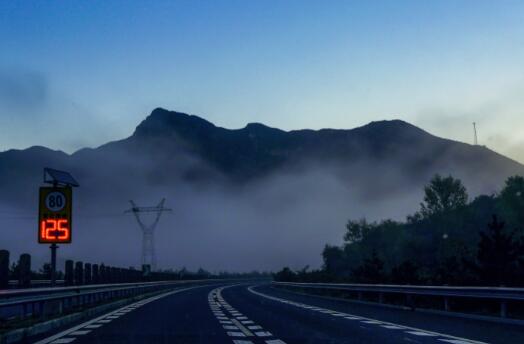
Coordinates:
(59, 177)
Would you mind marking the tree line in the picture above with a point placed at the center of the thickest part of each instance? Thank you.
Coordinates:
(448, 241)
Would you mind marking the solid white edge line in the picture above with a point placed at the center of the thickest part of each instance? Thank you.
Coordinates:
(382, 322)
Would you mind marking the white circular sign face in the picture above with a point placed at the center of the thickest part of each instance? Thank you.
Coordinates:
(55, 201)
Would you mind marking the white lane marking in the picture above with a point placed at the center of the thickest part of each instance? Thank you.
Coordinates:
(372, 322)
(393, 327)
(236, 334)
(421, 333)
(80, 333)
(93, 326)
(263, 334)
(453, 341)
(413, 329)
(352, 318)
(237, 329)
(63, 340)
(57, 336)
(339, 314)
(242, 328)
(104, 321)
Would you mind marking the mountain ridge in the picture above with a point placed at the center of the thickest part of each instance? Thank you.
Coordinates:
(257, 150)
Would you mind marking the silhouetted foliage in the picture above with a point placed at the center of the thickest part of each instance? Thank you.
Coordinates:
(405, 273)
(445, 243)
(286, 274)
(511, 202)
(371, 270)
(498, 255)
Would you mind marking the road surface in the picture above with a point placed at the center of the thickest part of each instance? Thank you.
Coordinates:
(253, 314)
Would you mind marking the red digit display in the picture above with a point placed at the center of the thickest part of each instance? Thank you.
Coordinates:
(52, 230)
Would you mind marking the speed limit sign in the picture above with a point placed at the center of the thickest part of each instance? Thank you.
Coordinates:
(54, 215)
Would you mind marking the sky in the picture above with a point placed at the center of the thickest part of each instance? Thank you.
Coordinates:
(81, 73)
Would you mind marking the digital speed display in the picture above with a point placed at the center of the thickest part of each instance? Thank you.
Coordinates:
(54, 216)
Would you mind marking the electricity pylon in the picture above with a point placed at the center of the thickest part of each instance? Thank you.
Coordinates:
(148, 232)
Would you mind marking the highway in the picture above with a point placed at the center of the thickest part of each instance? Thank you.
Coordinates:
(251, 314)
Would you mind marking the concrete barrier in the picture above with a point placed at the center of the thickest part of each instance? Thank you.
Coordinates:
(24, 266)
(69, 276)
(79, 273)
(4, 269)
(87, 273)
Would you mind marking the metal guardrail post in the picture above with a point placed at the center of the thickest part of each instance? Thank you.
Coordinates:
(24, 311)
(41, 307)
(503, 309)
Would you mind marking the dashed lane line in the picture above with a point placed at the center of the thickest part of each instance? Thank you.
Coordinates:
(236, 324)
(391, 326)
(242, 328)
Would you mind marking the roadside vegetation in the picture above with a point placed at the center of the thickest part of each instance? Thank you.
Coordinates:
(449, 241)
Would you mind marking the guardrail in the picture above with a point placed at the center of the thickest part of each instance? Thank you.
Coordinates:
(43, 302)
(35, 283)
(502, 295)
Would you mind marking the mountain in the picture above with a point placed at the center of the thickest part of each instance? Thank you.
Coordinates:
(256, 150)
(224, 181)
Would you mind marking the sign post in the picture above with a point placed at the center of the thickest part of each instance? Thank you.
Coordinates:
(55, 212)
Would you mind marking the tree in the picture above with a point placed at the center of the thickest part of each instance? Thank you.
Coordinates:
(371, 271)
(405, 273)
(285, 275)
(356, 230)
(334, 261)
(498, 255)
(512, 201)
(443, 195)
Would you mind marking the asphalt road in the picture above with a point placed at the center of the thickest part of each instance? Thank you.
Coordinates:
(243, 314)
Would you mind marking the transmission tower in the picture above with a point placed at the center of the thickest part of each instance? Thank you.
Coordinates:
(148, 232)
(475, 138)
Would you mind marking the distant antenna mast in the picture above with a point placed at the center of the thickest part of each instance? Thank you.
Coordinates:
(148, 238)
(475, 138)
